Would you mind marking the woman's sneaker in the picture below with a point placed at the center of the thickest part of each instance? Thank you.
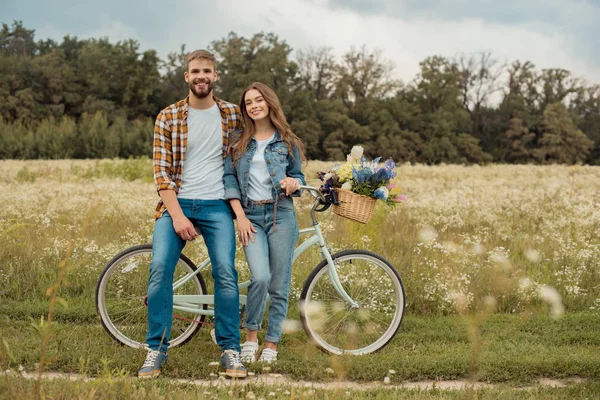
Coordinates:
(230, 359)
(151, 368)
(249, 350)
(268, 356)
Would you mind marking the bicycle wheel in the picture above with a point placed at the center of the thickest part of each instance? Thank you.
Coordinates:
(121, 298)
(333, 324)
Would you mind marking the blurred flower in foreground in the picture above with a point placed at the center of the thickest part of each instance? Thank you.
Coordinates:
(532, 255)
(427, 234)
(291, 326)
(552, 297)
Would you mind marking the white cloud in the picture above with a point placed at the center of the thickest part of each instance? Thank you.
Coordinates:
(405, 38)
(304, 24)
(113, 29)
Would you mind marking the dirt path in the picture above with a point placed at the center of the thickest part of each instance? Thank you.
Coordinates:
(271, 379)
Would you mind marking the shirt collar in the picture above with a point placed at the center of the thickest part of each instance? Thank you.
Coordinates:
(185, 103)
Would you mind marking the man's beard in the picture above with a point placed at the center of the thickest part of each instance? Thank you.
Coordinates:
(201, 94)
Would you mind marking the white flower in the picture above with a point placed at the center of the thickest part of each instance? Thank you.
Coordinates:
(428, 234)
(347, 185)
(552, 297)
(381, 193)
(533, 255)
(357, 152)
(327, 176)
(291, 326)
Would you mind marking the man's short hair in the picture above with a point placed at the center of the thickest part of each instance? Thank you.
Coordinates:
(200, 55)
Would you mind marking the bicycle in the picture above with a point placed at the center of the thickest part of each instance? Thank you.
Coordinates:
(352, 302)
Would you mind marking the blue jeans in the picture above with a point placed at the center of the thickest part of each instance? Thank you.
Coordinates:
(214, 219)
(270, 261)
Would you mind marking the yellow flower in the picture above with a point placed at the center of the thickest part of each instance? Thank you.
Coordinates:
(345, 172)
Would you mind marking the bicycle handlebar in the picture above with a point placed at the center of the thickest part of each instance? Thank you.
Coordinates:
(315, 192)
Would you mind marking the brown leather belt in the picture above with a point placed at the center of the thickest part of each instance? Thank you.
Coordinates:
(261, 202)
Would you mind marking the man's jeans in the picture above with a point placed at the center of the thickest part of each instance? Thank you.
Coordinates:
(270, 261)
(214, 219)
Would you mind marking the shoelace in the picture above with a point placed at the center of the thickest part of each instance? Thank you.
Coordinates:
(249, 349)
(234, 358)
(150, 358)
(268, 355)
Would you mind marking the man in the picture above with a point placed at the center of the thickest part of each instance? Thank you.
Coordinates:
(190, 142)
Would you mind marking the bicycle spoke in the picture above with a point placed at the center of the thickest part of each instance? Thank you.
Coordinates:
(121, 292)
(373, 285)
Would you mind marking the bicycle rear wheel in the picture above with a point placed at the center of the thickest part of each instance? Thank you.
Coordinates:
(121, 298)
(333, 324)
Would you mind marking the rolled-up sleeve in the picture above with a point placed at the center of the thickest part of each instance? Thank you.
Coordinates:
(230, 182)
(294, 169)
(162, 155)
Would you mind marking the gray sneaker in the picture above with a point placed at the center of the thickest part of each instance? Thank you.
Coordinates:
(249, 350)
(151, 368)
(268, 356)
(230, 360)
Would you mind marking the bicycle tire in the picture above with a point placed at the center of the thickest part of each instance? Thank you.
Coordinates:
(377, 289)
(132, 292)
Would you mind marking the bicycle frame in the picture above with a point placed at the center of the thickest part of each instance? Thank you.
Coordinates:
(195, 303)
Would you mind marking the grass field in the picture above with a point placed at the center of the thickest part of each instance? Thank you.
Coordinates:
(500, 264)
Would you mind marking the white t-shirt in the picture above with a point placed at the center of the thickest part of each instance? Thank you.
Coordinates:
(259, 181)
(203, 165)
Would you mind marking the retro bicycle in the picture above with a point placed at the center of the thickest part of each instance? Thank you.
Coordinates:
(352, 302)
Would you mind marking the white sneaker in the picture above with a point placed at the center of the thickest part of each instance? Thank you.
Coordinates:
(268, 356)
(249, 350)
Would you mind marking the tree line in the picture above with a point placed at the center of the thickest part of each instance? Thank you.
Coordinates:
(93, 99)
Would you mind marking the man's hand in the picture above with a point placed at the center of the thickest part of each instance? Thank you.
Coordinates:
(184, 228)
(289, 185)
(245, 230)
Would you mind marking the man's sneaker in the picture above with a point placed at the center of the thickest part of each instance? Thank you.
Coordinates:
(249, 350)
(230, 359)
(151, 368)
(268, 356)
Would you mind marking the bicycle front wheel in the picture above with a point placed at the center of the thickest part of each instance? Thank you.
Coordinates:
(338, 327)
(121, 301)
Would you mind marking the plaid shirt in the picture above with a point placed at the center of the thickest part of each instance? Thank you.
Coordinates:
(170, 142)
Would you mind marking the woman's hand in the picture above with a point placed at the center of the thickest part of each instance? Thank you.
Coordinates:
(245, 230)
(289, 185)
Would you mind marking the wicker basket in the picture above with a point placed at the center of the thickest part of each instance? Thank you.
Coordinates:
(354, 206)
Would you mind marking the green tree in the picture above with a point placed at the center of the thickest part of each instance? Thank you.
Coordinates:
(561, 141)
(94, 138)
(264, 58)
(518, 143)
(317, 72)
(17, 40)
(480, 82)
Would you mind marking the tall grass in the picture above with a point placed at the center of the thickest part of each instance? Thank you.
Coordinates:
(467, 238)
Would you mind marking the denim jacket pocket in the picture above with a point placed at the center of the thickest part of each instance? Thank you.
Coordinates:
(281, 152)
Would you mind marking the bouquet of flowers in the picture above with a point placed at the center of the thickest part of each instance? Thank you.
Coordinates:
(361, 178)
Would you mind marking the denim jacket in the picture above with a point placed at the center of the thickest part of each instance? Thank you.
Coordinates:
(280, 165)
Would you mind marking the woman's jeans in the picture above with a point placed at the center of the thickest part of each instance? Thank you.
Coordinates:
(214, 219)
(270, 261)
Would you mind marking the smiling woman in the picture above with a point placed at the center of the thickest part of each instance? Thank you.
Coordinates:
(263, 171)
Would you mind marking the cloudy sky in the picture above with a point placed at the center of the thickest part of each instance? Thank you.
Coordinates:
(550, 33)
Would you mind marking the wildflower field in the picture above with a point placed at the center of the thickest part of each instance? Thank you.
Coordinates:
(501, 267)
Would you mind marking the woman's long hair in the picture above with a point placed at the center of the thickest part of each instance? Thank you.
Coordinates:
(277, 118)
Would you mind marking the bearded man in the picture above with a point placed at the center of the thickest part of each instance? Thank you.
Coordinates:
(191, 139)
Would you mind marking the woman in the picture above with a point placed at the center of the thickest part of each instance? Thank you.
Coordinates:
(262, 170)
